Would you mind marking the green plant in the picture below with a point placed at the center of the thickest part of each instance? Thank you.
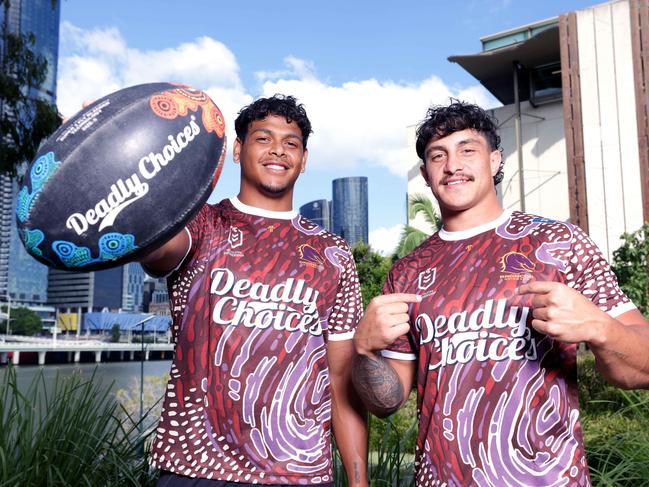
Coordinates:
(25, 322)
(372, 269)
(391, 460)
(115, 333)
(411, 237)
(631, 265)
(71, 433)
(616, 428)
(25, 118)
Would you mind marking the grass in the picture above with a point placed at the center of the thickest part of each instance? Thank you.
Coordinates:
(71, 433)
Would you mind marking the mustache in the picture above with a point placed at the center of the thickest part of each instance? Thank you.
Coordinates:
(468, 177)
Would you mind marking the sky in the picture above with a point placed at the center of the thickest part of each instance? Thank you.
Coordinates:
(365, 72)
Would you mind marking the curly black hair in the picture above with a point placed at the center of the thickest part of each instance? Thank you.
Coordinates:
(443, 120)
(279, 105)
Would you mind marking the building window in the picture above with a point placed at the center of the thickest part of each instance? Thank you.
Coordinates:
(545, 83)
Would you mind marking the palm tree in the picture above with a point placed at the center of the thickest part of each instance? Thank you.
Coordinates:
(411, 237)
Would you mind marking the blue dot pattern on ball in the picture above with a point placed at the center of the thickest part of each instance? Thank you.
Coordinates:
(112, 246)
(32, 239)
(115, 245)
(40, 173)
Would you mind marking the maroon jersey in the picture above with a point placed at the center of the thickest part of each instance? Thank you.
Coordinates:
(254, 304)
(497, 401)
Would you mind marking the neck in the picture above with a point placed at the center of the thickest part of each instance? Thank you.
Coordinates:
(459, 220)
(283, 202)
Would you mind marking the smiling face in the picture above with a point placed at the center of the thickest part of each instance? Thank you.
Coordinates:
(272, 156)
(459, 169)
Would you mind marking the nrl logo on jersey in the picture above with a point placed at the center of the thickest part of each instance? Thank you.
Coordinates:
(426, 278)
(235, 239)
(516, 267)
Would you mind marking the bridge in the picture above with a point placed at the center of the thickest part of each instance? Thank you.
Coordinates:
(15, 345)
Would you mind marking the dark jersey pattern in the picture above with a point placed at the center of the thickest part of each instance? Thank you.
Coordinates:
(497, 401)
(253, 305)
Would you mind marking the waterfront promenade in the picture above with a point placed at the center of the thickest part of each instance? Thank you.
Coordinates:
(11, 347)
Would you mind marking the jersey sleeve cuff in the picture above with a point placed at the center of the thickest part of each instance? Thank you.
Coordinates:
(621, 309)
(398, 355)
(337, 337)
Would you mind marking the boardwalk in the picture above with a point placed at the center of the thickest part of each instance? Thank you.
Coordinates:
(15, 345)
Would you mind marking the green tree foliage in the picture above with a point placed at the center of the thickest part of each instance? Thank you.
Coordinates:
(411, 237)
(25, 119)
(372, 270)
(24, 322)
(115, 333)
(631, 265)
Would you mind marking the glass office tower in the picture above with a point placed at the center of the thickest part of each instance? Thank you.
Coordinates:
(319, 212)
(350, 209)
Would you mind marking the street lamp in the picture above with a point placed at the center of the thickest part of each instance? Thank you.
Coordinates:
(141, 323)
(8, 311)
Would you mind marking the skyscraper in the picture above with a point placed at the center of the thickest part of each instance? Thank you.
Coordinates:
(350, 209)
(133, 288)
(319, 212)
(24, 279)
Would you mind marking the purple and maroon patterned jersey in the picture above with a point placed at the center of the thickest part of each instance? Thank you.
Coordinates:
(254, 304)
(497, 401)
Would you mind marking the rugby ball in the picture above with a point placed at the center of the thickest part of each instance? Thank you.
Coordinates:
(121, 177)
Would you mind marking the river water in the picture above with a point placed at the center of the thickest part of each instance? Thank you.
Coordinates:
(122, 375)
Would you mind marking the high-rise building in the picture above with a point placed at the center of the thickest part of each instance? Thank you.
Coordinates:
(133, 287)
(350, 209)
(21, 277)
(319, 212)
(118, 288)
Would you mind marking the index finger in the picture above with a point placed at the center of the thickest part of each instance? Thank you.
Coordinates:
(400, 298)
(537, 287)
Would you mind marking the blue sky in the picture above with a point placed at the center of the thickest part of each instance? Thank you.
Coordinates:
(364, 70)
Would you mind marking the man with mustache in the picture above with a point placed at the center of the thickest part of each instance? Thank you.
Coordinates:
(486, 315)
(264, 306)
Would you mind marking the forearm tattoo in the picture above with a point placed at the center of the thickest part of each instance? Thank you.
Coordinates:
(377, 384)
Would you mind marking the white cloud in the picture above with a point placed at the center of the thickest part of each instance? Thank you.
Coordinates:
(385, 240)
(96, 62)
(363, 122)
(356, 124)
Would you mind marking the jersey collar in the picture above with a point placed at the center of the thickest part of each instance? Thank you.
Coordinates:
(472, 232)
(252, 210)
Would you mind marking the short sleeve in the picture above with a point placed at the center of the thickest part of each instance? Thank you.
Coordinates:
(589, 273)
(403, 347)
(348, 305)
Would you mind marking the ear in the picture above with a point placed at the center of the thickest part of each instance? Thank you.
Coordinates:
(495, 158)
(236, 150)
(305, 156)
(424, 174)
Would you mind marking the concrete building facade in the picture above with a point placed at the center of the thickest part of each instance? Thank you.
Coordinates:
(575, 117)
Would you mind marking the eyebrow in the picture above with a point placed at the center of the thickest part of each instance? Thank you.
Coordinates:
(461, 143)
(270, 132)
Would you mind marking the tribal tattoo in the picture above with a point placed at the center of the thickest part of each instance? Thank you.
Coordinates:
(377, 384)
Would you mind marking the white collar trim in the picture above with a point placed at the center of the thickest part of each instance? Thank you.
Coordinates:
(252, 210)
(472, 232)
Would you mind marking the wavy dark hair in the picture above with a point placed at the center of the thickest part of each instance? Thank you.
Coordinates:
(279, 105)
(443, 120)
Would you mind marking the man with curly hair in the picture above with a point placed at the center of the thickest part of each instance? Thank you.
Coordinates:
(486, 314)
(264, 306)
